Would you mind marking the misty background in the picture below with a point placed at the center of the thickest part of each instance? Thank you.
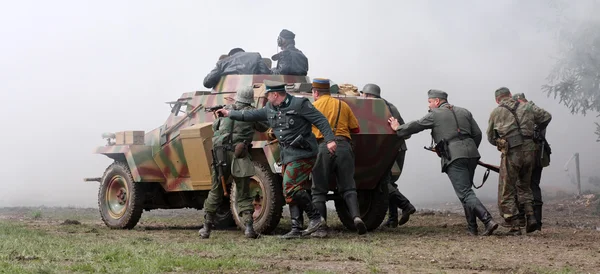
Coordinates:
(71, 70)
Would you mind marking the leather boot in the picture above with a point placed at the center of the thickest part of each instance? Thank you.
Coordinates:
(471, 221)
(392, 220)
(537, 212)
(406, 212)
(296, 231)
(314, 218)
(486, 218)
(515, 230)
(249, 222)
(532, 224)
(209, 222)
(351, 199)
(321, 231)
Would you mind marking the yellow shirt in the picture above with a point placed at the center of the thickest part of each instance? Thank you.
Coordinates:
(329, 107)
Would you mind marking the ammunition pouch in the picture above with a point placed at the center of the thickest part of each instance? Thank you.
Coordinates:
(221, 153)
(442, 150)
(514, 141)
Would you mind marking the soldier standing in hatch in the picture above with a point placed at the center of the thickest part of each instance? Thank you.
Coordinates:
(230, 143)
(457, 136)
(290, 61)
(291, 119)
(340, 116)
(542, 160)
(397, 199)
(511, 129)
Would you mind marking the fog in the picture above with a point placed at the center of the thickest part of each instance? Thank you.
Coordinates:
(71, 70)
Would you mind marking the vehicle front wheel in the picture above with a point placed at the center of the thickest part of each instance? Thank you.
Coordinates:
(120, 199)
(373, 206)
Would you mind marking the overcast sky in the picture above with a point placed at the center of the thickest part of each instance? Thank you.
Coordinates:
(71, 70)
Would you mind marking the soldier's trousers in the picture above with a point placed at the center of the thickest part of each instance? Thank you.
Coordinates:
(215, 196)
(400, 200)
(515, 182)
(295, 177)
(461, 172)
(342, 167)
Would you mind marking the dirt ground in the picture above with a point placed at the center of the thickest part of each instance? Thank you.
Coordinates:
(433, 241)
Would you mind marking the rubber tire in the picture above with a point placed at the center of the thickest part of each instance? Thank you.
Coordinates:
(135, 198)
(272, 192)
(372, 213)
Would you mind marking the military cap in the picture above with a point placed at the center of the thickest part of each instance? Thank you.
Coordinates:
(320, 83)
(502, 91)
(518, 96)
(273, 86)
(286, 34)
(435, 93)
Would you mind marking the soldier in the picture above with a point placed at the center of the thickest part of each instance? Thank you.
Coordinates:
(341, 164)
(511, 130)
(542, 160)
(230, 143)
(291, 119)
(237, 62)
(290, 61)
(457, 137)
(397, 199)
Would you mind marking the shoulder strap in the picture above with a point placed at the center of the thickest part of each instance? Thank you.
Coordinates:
(451, 108)
(514, 113)
(338, 116)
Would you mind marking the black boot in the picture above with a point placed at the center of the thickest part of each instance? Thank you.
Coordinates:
(471, 221)
(209, 222)
(321, 231)
(249, 222)
(296, 232)
(532, 224)
(537, 212)
(392, 220)
(315, 220)
(351, 199)
(406, 212)
(486, 218)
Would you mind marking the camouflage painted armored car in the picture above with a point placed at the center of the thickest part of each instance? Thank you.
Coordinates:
(169, 167)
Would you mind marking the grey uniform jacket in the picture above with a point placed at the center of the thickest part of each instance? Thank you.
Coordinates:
(442, 123)
(396, 114)
(291, 61)
(295, 116)
(239, 63)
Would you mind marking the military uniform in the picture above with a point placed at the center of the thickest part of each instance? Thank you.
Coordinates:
(230, 143)
(397, 199)
(511, 129)
(290, 61)
(455, 128)
(291, 122)
(341, 165)
(237, 63)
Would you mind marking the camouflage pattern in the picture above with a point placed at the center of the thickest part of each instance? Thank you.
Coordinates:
(503, 122)
(517, 163)
(515, 181)
(161, 158)
(296, 177)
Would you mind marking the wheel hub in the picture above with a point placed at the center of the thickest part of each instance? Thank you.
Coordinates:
(116, 197)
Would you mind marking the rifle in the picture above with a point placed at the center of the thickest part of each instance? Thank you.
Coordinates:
(487, 166)
(214, 108)
(218, 166)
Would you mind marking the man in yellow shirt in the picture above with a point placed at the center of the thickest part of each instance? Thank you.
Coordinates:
(341, 163)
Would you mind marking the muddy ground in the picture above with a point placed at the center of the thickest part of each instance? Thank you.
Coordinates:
(433, 241)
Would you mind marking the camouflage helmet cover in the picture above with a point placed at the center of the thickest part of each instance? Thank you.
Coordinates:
(245, 95)
(372, 89)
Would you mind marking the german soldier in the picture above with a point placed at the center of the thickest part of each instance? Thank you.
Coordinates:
(457, 137)
(397, 199)
(291, 119)
(510, 129)
(230, 144)
(341, 164)
(542, 160)
(290, 61)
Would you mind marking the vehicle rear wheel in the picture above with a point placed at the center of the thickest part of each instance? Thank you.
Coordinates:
(373, 206)
(120, 199)
(267, 191)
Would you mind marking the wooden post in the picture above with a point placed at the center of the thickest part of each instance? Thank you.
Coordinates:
(578, 174)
